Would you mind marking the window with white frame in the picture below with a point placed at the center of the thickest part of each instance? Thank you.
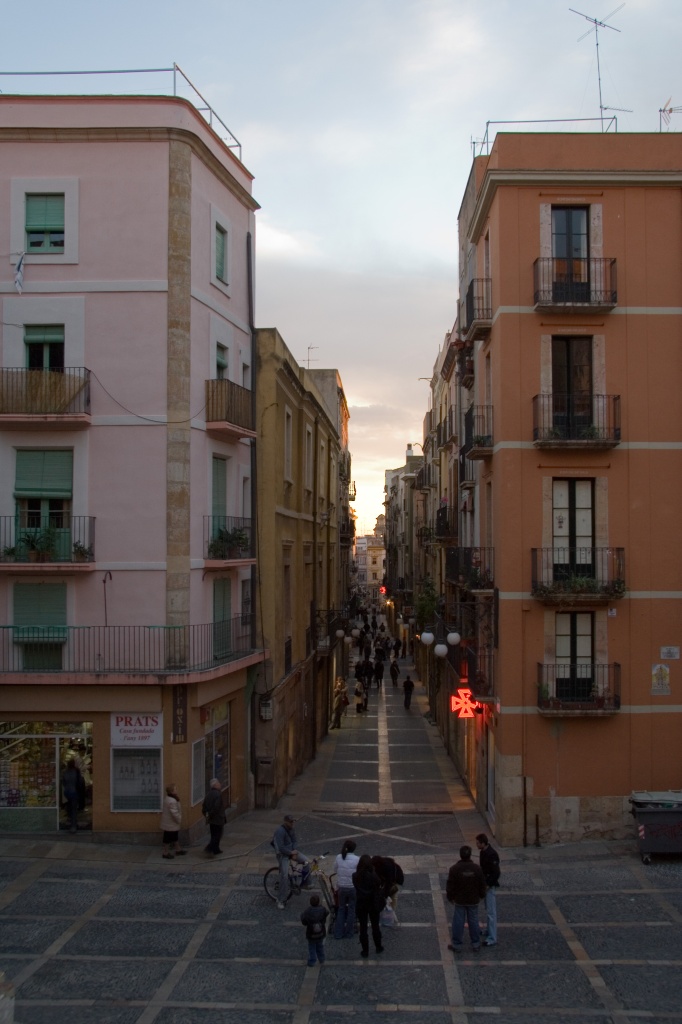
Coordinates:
(221, 362)
(308, 477)
(221, 245)
(44, 220)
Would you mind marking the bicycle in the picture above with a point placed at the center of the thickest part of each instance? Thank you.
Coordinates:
(325, 882)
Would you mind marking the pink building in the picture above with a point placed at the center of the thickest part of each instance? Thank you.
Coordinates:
(126, 449)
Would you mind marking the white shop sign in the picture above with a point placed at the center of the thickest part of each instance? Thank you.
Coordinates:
(136, 729)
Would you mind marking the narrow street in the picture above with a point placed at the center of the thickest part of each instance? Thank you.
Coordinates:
(115, 935)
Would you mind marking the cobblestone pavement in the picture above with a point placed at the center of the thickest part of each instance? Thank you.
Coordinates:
(100, 934)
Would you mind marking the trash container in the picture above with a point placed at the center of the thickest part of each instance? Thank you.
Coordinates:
(659, 822)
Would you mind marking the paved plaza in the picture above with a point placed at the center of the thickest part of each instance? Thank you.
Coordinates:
(100, 934)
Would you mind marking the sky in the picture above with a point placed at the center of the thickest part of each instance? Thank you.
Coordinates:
(358, 119)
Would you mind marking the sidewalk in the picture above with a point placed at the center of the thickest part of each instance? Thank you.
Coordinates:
(116, 935)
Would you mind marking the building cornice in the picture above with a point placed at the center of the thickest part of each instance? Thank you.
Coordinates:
(134, 134)
(579, 179)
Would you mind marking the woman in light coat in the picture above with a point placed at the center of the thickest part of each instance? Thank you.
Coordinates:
(171, 819)
(346, 864)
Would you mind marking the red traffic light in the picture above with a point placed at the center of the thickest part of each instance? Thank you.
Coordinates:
(382, 590)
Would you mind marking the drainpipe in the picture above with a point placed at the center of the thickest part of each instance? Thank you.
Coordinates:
(254, 488)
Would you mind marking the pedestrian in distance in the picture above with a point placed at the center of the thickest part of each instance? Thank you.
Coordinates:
(397, 646)
(340, 702)
(395, 671)
(369, 902)
(391, 876)
(285, 845)
(379, 672)
(490, 866)
(346, 865)
(408, 687)
(171, 819)
(214, 812)
(359, 695)
(465, 888)
(314, 918)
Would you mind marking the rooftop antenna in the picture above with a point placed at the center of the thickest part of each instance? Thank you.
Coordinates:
(310, 348)
(597, 25)
(665, 112)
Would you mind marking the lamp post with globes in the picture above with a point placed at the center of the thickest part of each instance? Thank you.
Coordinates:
(446, 639)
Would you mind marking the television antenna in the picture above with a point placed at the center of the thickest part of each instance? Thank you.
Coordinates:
(664, 114)
(597, 25)
(310, 349)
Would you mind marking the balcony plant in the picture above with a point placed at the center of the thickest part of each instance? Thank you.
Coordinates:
(482, 441)
(81, 553)
(228, 543)
(9, 554)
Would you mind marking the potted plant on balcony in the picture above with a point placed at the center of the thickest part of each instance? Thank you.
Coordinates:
(81, 553)
(543, 695)
(45, 543)
(237, 542)
(9, 554)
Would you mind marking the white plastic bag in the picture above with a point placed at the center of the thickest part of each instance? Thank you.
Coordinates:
(388, 917)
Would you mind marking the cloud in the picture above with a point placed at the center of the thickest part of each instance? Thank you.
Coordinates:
(279, 244)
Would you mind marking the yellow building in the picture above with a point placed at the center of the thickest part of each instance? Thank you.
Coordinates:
(303, 472)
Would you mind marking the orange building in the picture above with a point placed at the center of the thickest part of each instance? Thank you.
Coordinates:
(569, 358)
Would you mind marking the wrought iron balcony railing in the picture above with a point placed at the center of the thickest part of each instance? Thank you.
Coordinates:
(479, 306)
(128, 650)
(577, 575)
(471, 568)
(579, 687)
(227, 538)
(576, 421)
(476, 670)
(227, 402)
(478, 431)
(28, 392)
(445, 529)
(589, 281)
(55, 537)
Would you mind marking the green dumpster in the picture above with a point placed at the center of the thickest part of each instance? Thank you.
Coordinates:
(659, 821)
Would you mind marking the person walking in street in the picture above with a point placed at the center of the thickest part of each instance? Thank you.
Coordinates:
(314, 918)
(397, 646)
(369, 902)
(379, 672)
(286, 849)
(346, 864)
(408, 687)
(340, 702)
(214, 812)
(171, 819)
(490, 866)
(395, 671)
(465, 888)
(359, 694)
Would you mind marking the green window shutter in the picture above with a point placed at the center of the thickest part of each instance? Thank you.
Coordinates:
(45, 212)
(221, 357)
(50, 334)
(219, 495)
(40, 613)
(220, 247)
(44, 473)
(222, 600)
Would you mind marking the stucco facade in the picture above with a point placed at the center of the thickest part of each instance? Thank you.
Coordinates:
(127, 370)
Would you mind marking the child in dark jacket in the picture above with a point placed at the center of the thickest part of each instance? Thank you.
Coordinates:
(314, 918)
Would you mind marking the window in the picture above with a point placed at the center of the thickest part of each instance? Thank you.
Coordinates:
(39, 624)
(288, 445)
(44, 219)
(570, 251)
(574, 655)
(44, 347)
(572, 387)
(573, 528)
(43, 490)
(199, 785)
(308, 458)
(45, 222)
(136, 779)
(246, 376)
(221, 253)
(222, 619)
(219, 491)
(246, 602)
(221, 367)
(221, 242)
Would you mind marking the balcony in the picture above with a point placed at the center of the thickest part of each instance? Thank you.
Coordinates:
(476, 672)
(478, 431)
(425, 534)
(575, 576)
(125, 650)
(227, 539)
(470, 568)
(576, 690)
(31, 542)
(465, 367)
(576, 421)
(563, 285)
(327, 621)
(44, 399)
(445, 530)
(479, 308)
(346, 531)
(229, 410)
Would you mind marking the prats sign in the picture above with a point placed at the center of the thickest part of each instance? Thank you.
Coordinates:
(137, 729)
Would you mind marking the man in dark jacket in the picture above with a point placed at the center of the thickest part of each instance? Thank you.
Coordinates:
(214, 812)
(465, 888)
(490, 866)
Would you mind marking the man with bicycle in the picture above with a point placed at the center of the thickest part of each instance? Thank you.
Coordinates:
(285, 844)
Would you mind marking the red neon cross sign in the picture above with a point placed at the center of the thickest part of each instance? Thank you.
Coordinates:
(461, 703)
